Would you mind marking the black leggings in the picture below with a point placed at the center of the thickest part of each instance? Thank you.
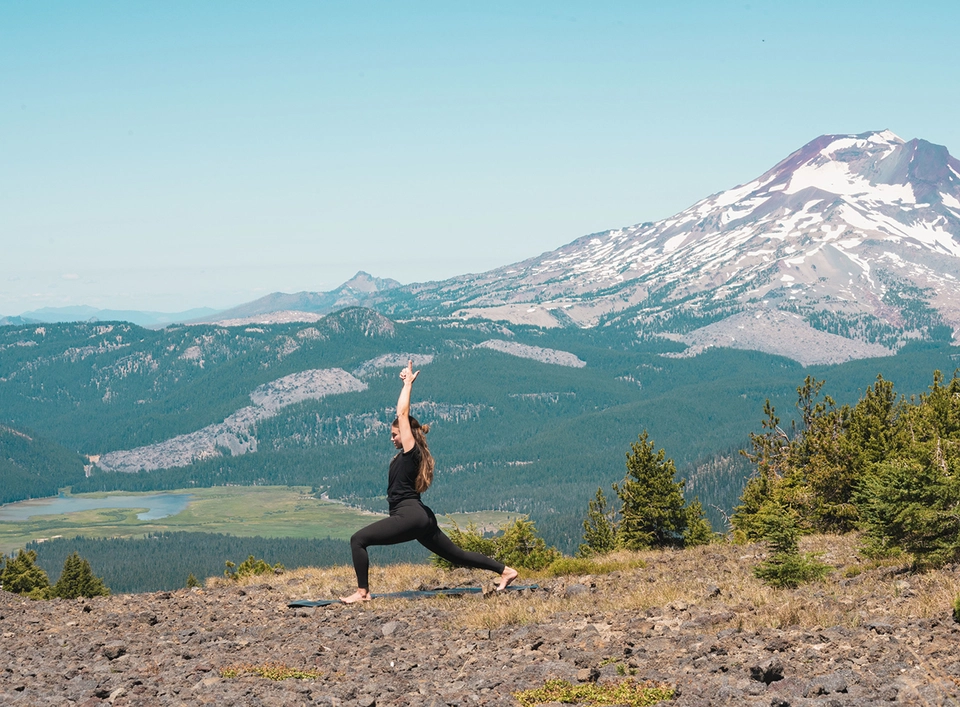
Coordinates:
(411, 520)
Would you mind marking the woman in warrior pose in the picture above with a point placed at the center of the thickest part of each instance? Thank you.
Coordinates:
(411, 472)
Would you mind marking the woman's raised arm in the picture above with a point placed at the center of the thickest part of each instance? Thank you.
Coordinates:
(408, 376)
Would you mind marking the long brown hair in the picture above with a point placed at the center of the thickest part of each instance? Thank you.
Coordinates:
(425, 475)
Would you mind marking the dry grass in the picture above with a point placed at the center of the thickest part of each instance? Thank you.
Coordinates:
(668, 583)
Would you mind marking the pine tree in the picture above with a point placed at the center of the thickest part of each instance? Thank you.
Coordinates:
(786, 567)
(21, 575)
(192, 581)
(78, 580)
(599, 528)
(653, 506)
(699, 531)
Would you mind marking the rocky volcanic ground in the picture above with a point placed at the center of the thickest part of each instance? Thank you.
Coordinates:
(170, 648)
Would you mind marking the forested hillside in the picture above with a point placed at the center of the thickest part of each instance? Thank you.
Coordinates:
(509, 432)
(33, 467)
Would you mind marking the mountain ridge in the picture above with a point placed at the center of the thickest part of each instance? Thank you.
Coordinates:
(857, 235)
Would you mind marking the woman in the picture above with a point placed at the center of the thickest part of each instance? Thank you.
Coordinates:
(411, 472)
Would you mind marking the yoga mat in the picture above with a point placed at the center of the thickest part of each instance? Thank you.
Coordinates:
(413, 594)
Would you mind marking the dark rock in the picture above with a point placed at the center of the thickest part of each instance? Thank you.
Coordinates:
(778, 644)
(768, 671)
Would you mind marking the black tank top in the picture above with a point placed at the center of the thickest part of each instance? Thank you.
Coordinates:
(401, 484)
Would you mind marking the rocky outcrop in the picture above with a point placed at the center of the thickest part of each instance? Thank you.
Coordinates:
(537, 353)
(236, 433)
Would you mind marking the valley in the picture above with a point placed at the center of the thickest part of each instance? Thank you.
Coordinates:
(242, 511)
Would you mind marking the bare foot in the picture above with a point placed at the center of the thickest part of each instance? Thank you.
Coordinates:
(357, 596)
(509, 574)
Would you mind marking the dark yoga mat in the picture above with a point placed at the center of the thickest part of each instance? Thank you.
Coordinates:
(414, 594)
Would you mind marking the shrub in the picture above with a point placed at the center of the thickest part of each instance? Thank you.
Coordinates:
(250, 567)
(271, 671)
(518, 545)
(956, 608)
(627, 693)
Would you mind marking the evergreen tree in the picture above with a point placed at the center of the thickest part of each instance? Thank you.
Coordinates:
(21, 575)
(192, 581)
(769, 455)
(653, 513)
(786, 566)
(78, 580)
(698, 531)
(599, 528)
(909, 500)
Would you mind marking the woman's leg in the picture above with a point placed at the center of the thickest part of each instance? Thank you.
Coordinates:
(436, 542)
(406, 522)
(443, 546)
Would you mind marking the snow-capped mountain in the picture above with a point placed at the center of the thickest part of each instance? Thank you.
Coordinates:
(853, 241)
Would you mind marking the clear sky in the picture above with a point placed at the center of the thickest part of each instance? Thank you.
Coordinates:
(169, 155)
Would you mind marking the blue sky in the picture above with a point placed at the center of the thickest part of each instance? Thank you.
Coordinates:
(171, 155)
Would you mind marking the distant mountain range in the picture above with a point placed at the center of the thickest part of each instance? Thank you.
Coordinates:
(848, 248)
(361, 290)
(83, 313)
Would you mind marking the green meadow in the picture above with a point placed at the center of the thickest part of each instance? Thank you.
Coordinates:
(243, 511)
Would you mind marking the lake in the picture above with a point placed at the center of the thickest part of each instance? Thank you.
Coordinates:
(158, 505)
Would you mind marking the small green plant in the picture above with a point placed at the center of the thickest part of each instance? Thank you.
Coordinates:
(250, 567)
(956, 608)
(271, 671)
(192, 581)
(628, 693)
